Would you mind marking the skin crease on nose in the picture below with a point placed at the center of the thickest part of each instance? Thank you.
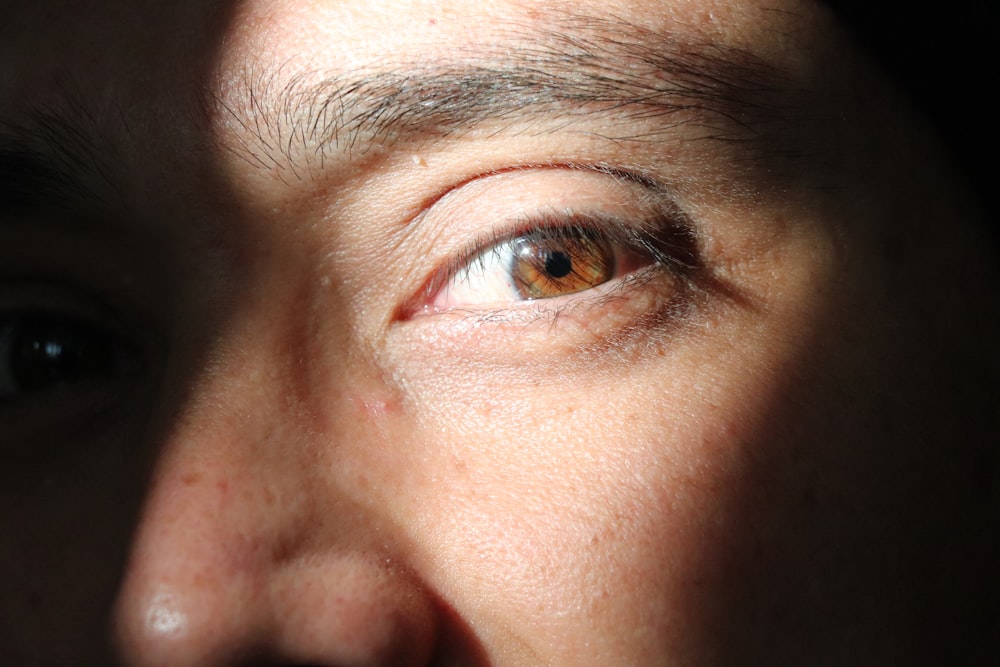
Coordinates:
(770, 454)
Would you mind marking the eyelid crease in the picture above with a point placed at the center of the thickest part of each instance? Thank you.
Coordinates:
(656, 189)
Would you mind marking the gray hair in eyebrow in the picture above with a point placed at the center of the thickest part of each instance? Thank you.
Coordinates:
(649, 82)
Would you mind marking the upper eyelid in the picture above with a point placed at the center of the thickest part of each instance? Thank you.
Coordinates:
(649, 192)
(28, 294)
(614, 228)
(21, 295)
(467, 215)
(654, 188)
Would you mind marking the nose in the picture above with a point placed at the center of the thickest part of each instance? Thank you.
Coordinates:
(249, 552)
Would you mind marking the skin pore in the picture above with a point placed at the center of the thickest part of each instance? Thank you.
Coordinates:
(268, 394)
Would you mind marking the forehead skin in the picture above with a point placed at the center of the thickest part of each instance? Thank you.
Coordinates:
(788, 458)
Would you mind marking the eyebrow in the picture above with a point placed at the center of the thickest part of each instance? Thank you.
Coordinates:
(50, 160)
(532, 81)
(650, 82)
(28, 177)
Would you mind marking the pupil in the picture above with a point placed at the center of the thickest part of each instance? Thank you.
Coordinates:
(47, 351)
(558, 264)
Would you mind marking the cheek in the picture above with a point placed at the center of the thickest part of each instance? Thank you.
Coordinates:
(569, 508)
(562, 505)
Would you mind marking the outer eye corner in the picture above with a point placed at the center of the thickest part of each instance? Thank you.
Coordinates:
(420, 303)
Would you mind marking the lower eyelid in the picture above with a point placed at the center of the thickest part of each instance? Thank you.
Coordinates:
(637, 312)
(594, 310)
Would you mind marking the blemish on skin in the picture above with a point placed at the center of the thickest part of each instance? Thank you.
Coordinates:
(162, 618)
(418, 160)
(378, 408)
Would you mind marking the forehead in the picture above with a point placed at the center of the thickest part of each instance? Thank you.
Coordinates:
(176, 80)
(149, 47)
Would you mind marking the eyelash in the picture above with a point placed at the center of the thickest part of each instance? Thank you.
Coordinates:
(666, 240)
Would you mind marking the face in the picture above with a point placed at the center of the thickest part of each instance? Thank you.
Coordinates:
(465, 333)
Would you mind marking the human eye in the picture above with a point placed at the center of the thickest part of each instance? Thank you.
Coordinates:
(43, 352)
(552, 256)
(65, 364)
(558, 245)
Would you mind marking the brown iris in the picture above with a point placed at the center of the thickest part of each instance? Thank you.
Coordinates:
(557, 262)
